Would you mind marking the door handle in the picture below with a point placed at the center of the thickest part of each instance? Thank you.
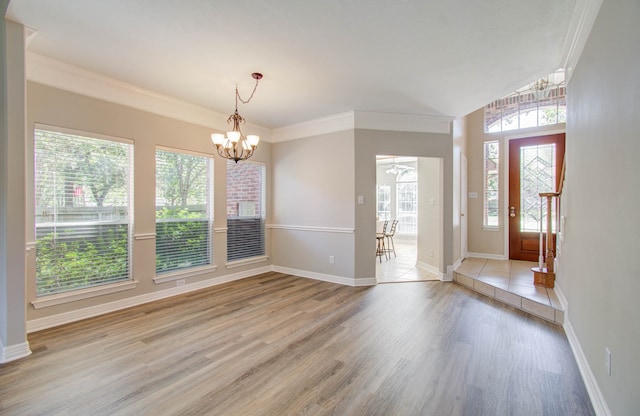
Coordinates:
(512, 212)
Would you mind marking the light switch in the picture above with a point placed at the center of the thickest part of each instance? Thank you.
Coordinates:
(473, 195)
(360, 199)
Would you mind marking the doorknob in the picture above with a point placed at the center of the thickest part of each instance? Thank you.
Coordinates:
(512, 212)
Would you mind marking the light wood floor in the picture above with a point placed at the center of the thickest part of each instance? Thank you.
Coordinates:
(276, 344)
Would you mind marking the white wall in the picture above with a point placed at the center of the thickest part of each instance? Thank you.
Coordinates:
(599, 271)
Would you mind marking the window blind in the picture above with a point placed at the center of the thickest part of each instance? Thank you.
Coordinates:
(184, 210)
(83, 189)
(245, 210)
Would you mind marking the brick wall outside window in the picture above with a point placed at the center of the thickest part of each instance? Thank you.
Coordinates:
(243, 185)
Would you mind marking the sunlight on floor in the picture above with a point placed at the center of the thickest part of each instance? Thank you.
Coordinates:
(402, 267)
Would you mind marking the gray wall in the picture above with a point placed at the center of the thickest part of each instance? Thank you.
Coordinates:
(313, 214)
(491, 242)
(51, 106)
(12, 191)
(430, 222)
(368, 144)
(599, 270)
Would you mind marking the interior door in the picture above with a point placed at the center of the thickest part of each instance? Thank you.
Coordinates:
(534, 167)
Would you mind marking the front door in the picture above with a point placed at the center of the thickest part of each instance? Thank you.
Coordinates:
(534, 167)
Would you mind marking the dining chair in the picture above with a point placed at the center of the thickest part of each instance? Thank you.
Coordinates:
(380, 246)
(390, 247)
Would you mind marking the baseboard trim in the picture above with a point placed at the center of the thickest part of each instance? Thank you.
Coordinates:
(14, 352)
(450, 270)
(590, 382)
(346, 281)
(431, 269)
(68, 317)
(487, 256)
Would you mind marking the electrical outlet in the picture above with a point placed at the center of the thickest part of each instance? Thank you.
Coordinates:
(332, 259)
(430, 252)
(180, 282)
(607, 360)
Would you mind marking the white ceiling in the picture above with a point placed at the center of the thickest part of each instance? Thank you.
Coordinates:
(319, 58)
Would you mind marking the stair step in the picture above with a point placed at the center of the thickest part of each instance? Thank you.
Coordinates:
(553, 312)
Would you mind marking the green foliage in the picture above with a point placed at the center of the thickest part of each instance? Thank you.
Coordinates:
(65, 262)
(181, 178)
(182, 235)
(65, 162)
(177, 213)
(181, 244)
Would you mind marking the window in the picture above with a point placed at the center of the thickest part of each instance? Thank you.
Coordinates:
(83, 216)
(184, 210)
(539, 103)
(407, 202)
(383, 202)
(537, 175)
(245, 210)
(491, 181)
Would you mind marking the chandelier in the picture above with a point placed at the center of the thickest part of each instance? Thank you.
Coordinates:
(541, 88)
(235, 146)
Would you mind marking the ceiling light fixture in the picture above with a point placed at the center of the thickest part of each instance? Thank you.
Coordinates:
(540, 88)
(235, 146)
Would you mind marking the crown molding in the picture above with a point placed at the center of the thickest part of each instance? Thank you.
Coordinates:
(582, 20)
(364, 120)
(403, 122)
(324, 125)
(57, 74)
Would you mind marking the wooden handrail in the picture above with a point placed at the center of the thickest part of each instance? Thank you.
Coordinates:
(561, 183)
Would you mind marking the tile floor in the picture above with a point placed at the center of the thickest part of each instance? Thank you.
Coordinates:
(402, 267)
(511, 282)
(508, 281)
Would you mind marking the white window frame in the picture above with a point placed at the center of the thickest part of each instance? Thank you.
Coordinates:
(526, 107)
(83, 292)
(485, 188)
(383, 191)
(262, 215)
(402, 228)
(188, 271)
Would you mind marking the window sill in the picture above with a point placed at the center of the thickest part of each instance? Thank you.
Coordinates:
(244, 262)
(485, 228)
(67, 297)
(183, 274)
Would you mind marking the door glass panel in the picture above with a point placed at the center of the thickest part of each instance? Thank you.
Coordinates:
(537, 175)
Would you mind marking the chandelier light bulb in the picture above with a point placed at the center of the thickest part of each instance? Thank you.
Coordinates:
(234, 136)
(217, 138)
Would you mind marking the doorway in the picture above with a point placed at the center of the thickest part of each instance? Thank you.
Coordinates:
(401, 188)
(534, 167)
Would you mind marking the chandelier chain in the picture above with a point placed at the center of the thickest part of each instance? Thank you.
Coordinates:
(250, 97)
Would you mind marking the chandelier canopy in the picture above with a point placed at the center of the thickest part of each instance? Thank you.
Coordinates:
(235, 146)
